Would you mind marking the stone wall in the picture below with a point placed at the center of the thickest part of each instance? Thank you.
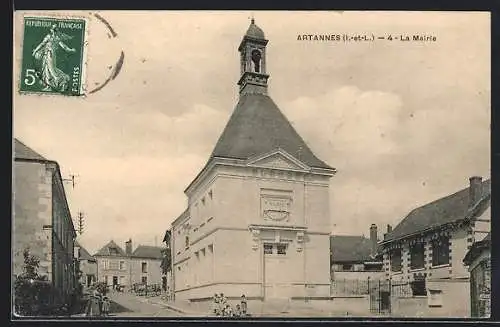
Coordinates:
(32, 194)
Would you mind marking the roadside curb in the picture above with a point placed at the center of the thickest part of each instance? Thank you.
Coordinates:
(176, 309)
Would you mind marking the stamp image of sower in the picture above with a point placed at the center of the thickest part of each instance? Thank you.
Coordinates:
(53, 56)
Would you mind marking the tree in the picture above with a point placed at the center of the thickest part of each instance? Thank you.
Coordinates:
(166, 263)
(30, 289)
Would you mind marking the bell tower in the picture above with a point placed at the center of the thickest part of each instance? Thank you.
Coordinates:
(252, 50)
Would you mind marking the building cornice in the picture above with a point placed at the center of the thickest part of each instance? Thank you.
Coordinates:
(243, 163)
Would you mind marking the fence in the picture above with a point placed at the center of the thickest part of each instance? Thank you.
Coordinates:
(403, 289)
(146, 290)
(349, 287)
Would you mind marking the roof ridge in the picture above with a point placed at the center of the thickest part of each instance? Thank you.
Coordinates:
(443, 210)
(257, 126)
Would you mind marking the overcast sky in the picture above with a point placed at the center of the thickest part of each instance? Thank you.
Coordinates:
(404, 123)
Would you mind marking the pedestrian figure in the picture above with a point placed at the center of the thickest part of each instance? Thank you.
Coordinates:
(228, 311)
(93, 308)
(222, 303)
(105, 306)
(243, 305)
(216, 308)
(237, 312)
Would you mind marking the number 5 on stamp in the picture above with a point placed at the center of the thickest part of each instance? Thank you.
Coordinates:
(52, 60)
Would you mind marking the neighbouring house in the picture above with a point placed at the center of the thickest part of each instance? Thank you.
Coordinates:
(42, 220)
(257, 220)
(118, 267)
(355, 257)
(423, 254)
(478, 259)
(145, 264)
(87, 266)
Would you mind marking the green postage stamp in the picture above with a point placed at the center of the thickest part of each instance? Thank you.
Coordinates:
(53, 55)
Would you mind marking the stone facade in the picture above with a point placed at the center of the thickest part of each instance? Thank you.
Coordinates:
(145, 271)
(42, 222)
(126, 268)
(453, 269)
(218, 244)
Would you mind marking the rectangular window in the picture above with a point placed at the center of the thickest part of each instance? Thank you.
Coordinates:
(268, 248)
(211, 248)
(281, 249)
(203, 251)
(396, 260)
(418, 287)
(144, 267)
(441, 251)
(144, 279)
(417, 257)
(122, 265)
(113, 265)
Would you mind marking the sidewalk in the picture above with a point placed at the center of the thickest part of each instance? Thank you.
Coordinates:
(259, 309)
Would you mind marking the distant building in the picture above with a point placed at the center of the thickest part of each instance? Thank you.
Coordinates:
(118, 267)
(258, 217)
(479, 261)
(42, 219)
(87, 266)
(426, 249)
(355, 257)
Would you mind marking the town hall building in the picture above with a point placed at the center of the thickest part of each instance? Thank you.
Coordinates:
(258, 218)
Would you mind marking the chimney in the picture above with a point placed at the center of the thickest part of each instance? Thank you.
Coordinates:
(373, 238)
(128, 247)
(389, 228)
(475, 190)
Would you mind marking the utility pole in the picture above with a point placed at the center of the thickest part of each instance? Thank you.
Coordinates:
(71, 179)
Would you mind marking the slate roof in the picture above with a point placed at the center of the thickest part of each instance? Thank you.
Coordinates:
(448, 209)
(347, 248)
(257, 126)
(476, 249)
(147, 251)
(84, 254)
(104, 251)
(254, 31)
(22, 151)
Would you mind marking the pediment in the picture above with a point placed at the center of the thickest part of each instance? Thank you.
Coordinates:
(278, 160)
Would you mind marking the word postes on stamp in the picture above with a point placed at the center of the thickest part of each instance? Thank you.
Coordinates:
(53, 55)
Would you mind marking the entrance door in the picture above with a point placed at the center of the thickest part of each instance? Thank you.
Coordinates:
(274, 270)
(89, 280)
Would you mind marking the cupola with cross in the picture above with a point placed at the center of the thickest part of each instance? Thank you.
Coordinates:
(252, 50)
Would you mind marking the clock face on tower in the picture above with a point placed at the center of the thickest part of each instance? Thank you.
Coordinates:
(256, 56)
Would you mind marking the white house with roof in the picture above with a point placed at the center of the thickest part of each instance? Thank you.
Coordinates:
(257, 220)
(116, 266)
(425, 251)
